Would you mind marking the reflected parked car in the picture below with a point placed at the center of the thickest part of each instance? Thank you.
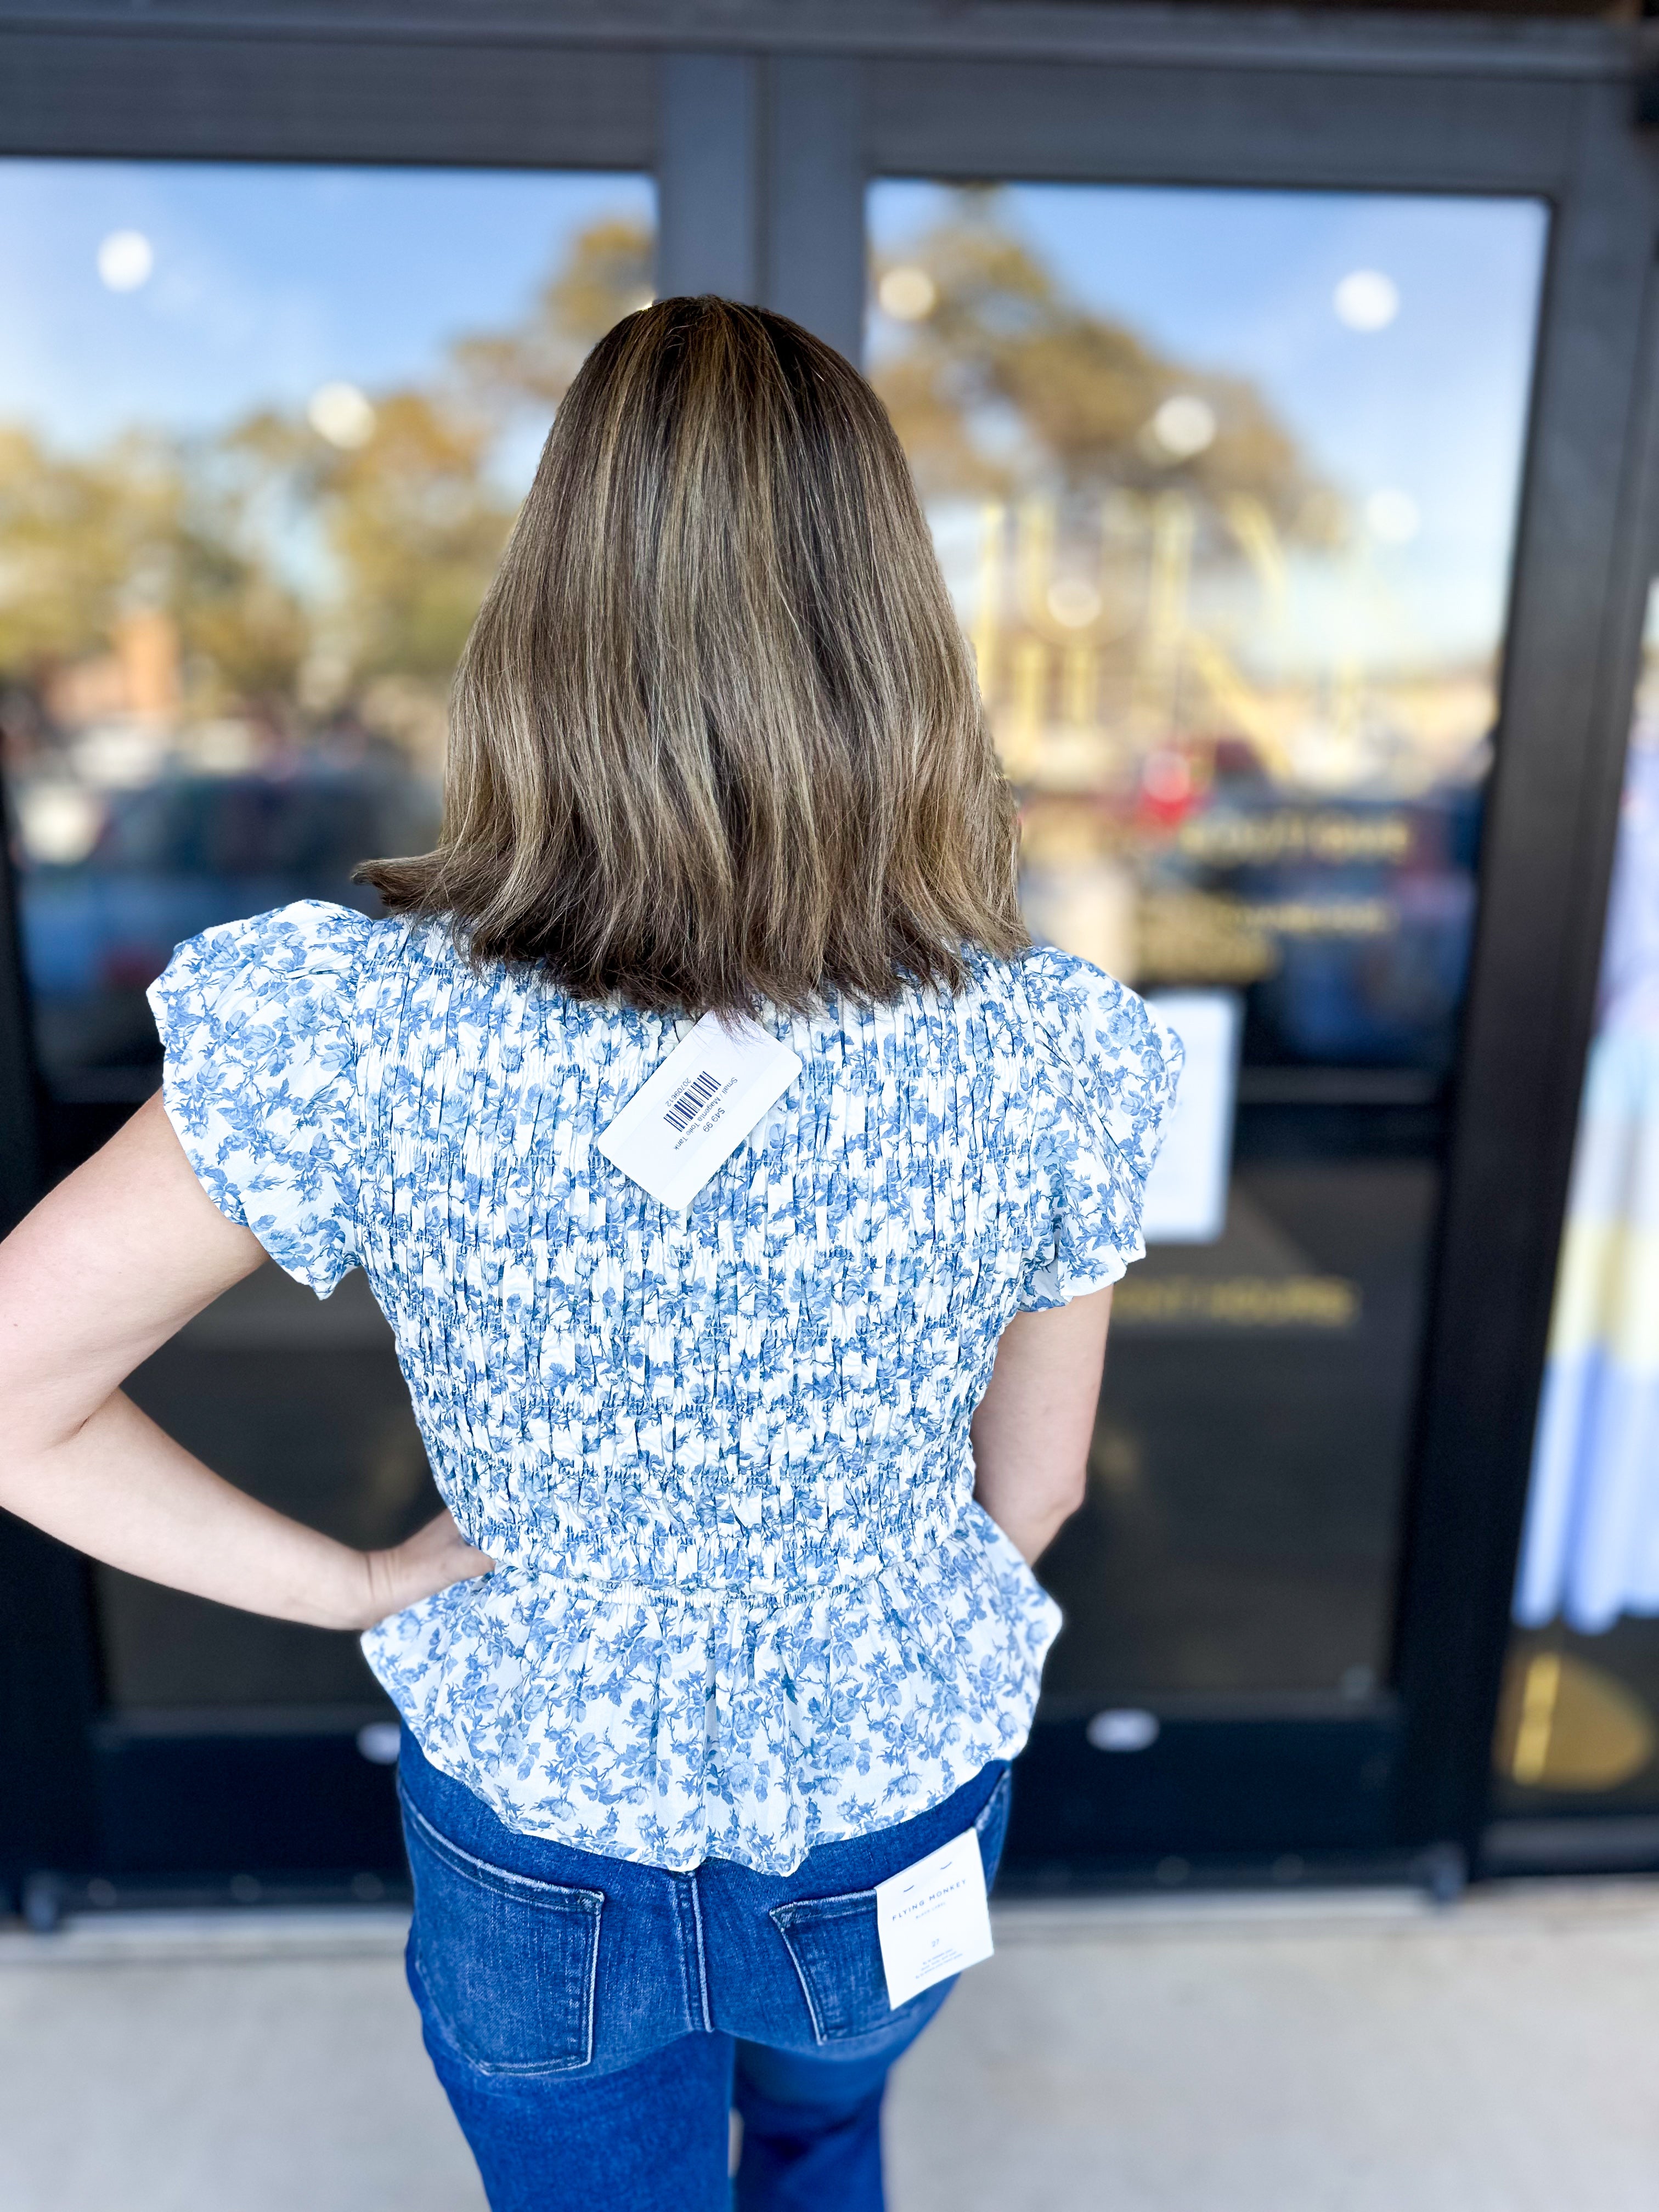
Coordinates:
(176, 856)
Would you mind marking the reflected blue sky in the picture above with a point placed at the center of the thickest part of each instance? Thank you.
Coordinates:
(270, 281)
(267, 281)
(1432, 406)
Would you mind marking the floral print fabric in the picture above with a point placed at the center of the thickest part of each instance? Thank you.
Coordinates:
(743, 1602)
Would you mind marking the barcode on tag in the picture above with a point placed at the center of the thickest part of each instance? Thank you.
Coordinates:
(686, 1121)
(691, 1102)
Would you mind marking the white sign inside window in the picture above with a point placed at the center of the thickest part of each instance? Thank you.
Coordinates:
(1187, 1190)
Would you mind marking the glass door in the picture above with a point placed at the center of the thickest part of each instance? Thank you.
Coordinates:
(1225, 483)
(1576, 1749)
(262, 432)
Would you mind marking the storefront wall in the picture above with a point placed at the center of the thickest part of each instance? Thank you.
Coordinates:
(1226, 623)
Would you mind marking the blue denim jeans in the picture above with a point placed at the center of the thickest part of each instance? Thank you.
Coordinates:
(593, 2022)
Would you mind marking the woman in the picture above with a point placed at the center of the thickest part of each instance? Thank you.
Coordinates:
(730, 1619)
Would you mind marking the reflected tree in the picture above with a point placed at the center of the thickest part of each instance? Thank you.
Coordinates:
(78, 537)
(296, 580)
(606, 276)
(998, 378)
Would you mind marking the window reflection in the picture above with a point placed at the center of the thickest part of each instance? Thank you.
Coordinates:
(262, 434)
(1224, 486)
(1237, 633)
(261, 440)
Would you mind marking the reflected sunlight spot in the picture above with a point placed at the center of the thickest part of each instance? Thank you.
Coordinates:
(58, 820)
(1074, 602)
(340, 413)
(1393, 517)
(907, 295)
(1366, 299)
(125, 260)
(1184, 425)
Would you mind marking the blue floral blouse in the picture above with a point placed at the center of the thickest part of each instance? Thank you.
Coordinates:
(743, 1602)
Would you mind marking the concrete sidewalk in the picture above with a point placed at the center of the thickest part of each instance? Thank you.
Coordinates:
(1308, 2054)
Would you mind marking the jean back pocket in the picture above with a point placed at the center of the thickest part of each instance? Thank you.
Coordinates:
(836, 1951)
(836, 1947)
(506, 1964)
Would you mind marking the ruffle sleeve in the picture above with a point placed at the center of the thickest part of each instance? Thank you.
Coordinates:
(259, 1083)
(1116, 1068)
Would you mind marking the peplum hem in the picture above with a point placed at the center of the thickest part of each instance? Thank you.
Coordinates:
(668, 1726)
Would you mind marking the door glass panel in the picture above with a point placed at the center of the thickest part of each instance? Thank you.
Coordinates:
(1225, 484)
(262, 433)
(1578, 1728)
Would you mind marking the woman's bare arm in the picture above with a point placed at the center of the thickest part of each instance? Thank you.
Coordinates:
(120, 1256)
(1032, 1430)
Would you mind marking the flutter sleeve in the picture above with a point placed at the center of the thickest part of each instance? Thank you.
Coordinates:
(257, 1023)
(1113, 1069)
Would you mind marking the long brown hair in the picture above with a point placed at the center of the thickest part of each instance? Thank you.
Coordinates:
(715, 739)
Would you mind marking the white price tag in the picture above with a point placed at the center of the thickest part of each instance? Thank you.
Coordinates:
(691, 1115)
(932, 1919)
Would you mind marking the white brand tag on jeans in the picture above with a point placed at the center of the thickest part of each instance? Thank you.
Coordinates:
(932, 1920)
(692, 1115)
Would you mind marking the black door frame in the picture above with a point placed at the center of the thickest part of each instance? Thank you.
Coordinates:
(762, 122)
